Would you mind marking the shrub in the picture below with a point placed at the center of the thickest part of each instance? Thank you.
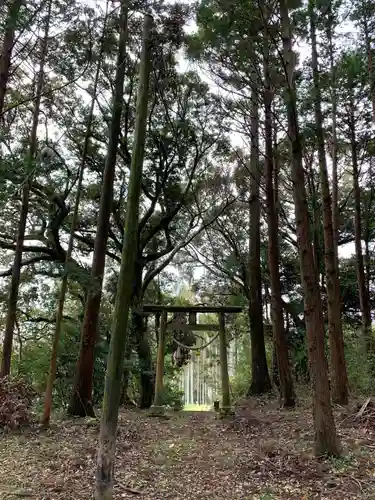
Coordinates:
(173, 396)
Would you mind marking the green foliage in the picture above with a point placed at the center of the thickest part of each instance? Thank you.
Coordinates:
(342, 463)
(266, 496)
(35, 361)
(172, 394)
(298, 351)
(360, 364)
(34, 364)
(241, 380)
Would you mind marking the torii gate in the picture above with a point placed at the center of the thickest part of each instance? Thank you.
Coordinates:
(157, 409)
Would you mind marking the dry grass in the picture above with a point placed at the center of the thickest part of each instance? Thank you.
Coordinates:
(264, 453)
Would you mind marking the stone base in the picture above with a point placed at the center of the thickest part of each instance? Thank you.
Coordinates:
(157, 411)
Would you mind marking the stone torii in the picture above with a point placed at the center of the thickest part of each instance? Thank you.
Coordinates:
(161, 311)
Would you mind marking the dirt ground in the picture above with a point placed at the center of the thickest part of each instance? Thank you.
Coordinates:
(263, 453)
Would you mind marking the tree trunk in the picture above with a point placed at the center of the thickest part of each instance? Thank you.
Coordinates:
(367, 232)
(81, 399)
(339, 377)
(316, 217)
(142, 344)
(7, 48)
(367, 252)
(16, 271)
(275, 367)
(370, 63)
(285, 381)
(363, 291)
(334, 154)
(326, 440)
(260, 380)
(64, 282)
(112, 393)
(146, 376)
(225, 388)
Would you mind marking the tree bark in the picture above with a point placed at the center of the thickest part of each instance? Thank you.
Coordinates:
(16, 271)
(147, 375)
(112, 393)
(367, 232)
(370, 62)
(260, 380)
(81, 399)
(284, 379)
(334, 154)
(275, 367)
(64, 283)
(147, 372)
(339, 377)
(7, 48)
(326, 441)
(142, 344)
(316, 217)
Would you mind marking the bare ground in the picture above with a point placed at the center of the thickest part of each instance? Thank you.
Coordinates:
(264, 453)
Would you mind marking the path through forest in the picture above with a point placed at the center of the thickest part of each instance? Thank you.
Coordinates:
(264, 453)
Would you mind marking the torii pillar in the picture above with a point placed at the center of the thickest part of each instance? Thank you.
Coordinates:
(158, 409)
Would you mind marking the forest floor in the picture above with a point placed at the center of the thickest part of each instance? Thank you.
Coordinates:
(264, 453)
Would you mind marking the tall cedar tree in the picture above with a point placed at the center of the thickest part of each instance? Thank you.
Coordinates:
(30, 166)
(326, 440)
(336, 340)
(218, 43)
(366, 14)
(334, 149)
(284, 377)
(140, 335)
(64, 282)
(260, 380)
(361, 278)
(81, 399)
(115, 362)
